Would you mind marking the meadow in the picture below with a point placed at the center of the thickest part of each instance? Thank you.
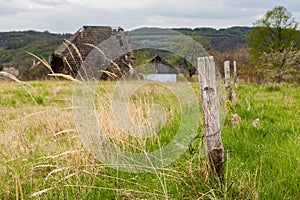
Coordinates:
(42, 156)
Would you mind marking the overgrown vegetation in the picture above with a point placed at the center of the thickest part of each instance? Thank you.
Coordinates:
(42, 156)
(275, 43)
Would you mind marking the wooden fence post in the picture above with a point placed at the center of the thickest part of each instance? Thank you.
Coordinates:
(230, 93)
(227, 79)
(210, 110)
(235, 80)
(233, 94)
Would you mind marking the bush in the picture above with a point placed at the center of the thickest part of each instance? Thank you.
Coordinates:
(37, 73)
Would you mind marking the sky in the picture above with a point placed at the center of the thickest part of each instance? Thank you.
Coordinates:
(67, 16)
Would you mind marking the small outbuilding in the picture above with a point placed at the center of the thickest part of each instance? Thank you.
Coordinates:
(161, 71)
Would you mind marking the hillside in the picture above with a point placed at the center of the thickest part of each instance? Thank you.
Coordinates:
(222, 40)
(14, 45)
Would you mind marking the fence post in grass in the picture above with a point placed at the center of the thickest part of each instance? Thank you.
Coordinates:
(235, 79)
(210, 110)
(233, 94)
(230, 93)
(227, 79)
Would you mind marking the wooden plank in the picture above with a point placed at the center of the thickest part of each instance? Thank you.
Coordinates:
(210, 110)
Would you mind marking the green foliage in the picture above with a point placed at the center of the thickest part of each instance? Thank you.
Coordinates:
(272, 148)
(222, 40)
(140, 57)
(26, 73)
(274, 40)
(13, 46)
(275, 30)
(189, 50)
(202, 41)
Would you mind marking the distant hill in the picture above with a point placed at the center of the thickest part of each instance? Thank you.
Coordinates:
(14, 45)
(222, 40)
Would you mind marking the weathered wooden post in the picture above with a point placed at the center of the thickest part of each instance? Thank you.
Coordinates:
(210, 110)
(235, 80)
(227, 79)
(233, 94)
(230, 93)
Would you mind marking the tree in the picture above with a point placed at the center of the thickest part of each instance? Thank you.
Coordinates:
(274, 41)
(190, 48)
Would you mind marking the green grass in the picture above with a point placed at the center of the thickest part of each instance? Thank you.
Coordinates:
(273, 148)
(42, 155)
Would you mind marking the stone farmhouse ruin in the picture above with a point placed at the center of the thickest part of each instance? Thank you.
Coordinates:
(69, 57)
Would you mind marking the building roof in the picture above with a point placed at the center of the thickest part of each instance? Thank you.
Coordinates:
(63, 47)
(70, 56)
(86, 35)
(162, 66)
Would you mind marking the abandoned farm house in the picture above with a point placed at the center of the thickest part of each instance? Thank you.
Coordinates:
(160, 70)
(69, 56)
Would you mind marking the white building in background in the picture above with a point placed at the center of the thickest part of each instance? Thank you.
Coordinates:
(161, 77)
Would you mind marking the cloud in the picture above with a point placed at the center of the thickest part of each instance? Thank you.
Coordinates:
(52, 2)
(6, 8)
(7, 11)
(70, 15)
(19, 6)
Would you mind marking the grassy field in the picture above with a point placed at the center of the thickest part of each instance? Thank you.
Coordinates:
(42, 157)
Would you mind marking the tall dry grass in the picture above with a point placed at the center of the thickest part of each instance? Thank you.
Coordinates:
(42, 155)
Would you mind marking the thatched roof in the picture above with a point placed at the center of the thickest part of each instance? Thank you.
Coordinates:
(86, 35)
(63, 47)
